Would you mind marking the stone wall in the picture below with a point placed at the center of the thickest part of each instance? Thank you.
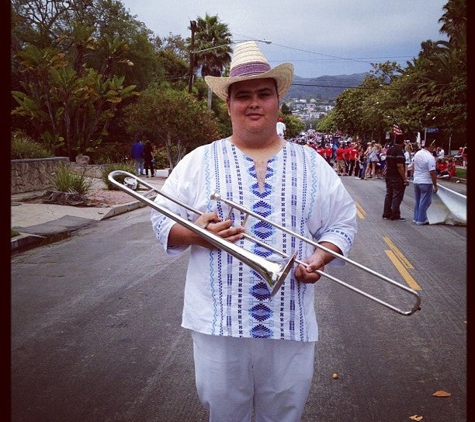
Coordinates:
(32, 175)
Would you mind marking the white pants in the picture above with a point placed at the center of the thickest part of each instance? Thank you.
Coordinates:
(239, 377)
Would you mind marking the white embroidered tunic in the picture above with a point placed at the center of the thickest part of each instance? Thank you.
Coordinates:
(302, 192)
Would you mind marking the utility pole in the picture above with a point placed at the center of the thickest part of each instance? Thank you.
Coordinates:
(192, 53)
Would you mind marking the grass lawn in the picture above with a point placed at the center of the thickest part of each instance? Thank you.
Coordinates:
(461, 173)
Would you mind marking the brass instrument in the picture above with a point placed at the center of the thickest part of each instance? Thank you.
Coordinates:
(274, 273)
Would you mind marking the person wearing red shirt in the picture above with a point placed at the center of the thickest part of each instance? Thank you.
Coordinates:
(446, 170)
(441, 166)
(328, 153)
(321, 150)
(353, 155)
(340, 157)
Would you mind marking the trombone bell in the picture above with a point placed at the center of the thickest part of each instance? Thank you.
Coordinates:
(273, 273)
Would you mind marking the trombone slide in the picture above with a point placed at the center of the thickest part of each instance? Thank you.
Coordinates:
(272, 272)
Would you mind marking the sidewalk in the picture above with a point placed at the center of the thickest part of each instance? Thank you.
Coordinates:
(41, 224)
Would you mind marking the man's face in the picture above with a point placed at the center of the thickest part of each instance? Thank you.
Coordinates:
(253, 105)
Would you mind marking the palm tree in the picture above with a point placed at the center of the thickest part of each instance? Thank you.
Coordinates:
(213, 48)
(454, 20)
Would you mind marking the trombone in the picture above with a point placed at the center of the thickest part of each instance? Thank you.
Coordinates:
(274, 273)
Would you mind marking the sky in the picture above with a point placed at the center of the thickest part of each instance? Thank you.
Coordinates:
(319, 37)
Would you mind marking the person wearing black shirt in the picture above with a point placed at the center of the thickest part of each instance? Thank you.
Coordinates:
(396, 180)
(148, 158)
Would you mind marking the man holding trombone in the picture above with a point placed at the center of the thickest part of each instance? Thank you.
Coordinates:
(254, 341)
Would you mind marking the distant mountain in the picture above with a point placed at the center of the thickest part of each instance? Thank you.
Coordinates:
(324, 87)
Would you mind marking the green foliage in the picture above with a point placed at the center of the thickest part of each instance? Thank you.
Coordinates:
(23, 147)
(66, 105)
(110, 152)
(431, 91)
(14, 233)
(461, 173)
(176, 118)
(211, 33)
(110, 167)
(161, 158)
(285, 110)
(76, 66)
(294, 126)
(65, 179)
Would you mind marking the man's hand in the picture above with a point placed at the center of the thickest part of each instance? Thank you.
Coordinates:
(307, 273)
(211, 222)
(317, 261)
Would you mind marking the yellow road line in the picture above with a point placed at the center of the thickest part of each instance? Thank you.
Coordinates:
(398, 253)
(398, 259)
(360, 212)
(403, 270)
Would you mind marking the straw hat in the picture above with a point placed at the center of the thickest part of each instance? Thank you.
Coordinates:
(248, 63)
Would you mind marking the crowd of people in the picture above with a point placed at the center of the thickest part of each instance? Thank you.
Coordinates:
(397, 162)
(367, 160)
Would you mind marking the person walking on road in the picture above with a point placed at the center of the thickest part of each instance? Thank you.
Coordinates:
(396, 180)
(148, 158)
(254, 355)
(425, 182)
(137, 155)
(281, 128)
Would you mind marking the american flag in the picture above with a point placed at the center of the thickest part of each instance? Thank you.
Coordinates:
(396, 129)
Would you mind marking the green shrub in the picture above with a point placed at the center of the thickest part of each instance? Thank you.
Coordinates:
(108, 168)
(23, 147)
(161, 159)
(64, 179)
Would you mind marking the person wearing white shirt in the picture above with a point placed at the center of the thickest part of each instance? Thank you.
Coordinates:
(424, 181)
(281, 128)
(253, 352)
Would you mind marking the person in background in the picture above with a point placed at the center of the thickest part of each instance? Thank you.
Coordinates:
(281, 128)
(396, 180)
(381, 164)
(148, 158)
(353, 155)
(347, 149)
(440, 153)
(424, 181)
(464, 157)
(449, 171)
(408, 155)
(329, 153)
(321, 150)
(440, 166)
(364, 154)
(372, 159)
(340, 159)
(254, 357)
(359, 164)
(138, 157)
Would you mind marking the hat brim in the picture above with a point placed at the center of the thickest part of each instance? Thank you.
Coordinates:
(283, 75)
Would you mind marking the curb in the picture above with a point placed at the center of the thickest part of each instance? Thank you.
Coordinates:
(27, 241)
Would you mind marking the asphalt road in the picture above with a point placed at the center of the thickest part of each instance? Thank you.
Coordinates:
(96, 336)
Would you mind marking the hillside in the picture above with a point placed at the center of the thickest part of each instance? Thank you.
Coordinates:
(324, 87)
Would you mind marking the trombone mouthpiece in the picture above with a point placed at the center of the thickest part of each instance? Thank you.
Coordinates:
(215, 196)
